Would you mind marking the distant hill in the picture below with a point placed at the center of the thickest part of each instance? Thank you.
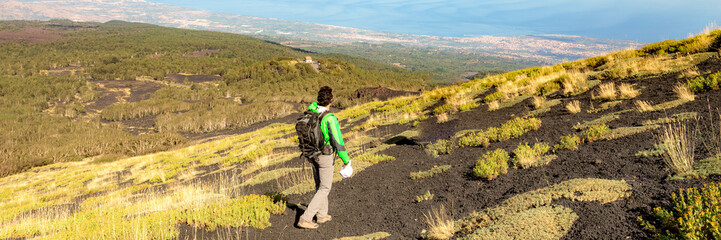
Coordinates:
(543, 49)
(122, 88)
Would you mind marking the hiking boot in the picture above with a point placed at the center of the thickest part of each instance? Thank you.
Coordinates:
(324, 219)
(307, 225)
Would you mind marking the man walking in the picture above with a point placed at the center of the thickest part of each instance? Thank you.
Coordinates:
(323, 164)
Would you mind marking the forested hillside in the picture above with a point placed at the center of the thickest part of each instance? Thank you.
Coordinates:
(72, 90)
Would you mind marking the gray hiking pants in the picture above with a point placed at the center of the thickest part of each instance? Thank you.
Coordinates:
(323, 176)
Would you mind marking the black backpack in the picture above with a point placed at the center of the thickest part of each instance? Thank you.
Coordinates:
(310, 137)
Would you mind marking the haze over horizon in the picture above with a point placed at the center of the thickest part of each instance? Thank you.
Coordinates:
(642, 20)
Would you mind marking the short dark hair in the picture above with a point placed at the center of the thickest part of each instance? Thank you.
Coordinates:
(325, 96)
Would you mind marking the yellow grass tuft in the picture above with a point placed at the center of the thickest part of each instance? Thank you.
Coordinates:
(679, 143)
(644, 106)
(574, 83)
(440, 224)
(574, 107)
(538, 102)
(443, 117)
(682, 92)
(607, 91)
(626, 91)
(493, 106)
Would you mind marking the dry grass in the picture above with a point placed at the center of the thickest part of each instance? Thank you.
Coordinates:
(626, 91)
(690, 73)
(493, 106)
(509, 89)
(538, 102)
(644, 106)
(443, 117)
(680, 144)
(682, 92)
(574, 107)
(440, 224)
(607, 91)
(574, 84)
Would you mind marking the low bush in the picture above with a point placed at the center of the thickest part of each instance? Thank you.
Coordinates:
(430, 173)
(491, 164)
(696, 44)
(694, 214)
(442, 109)
(549, 87)
(526, 156)
(426, 196)
(702, 84)
(595, 132)
(513, 129)
(494, 97)
(474, 139)
(442, 146)
(569, 142)
(469, 106)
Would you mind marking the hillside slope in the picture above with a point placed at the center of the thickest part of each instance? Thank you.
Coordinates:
(76, 90)
(558, 152)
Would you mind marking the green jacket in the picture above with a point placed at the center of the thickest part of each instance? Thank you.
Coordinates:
(331, 132)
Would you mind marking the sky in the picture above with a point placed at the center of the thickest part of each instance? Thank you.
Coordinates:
(642, 20)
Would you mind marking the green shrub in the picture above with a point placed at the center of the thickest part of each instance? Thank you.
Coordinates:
(595, 132)
(469, 106)
(513, 129)
(695, 214)
(549, 87)
(440, 147)
(493, 97)
(701, 84)
(596, 62)
(696, 44)
(426, 196)
(442, 109)
(526, 156)
(491, 164)
(569, 142)
(474, 139)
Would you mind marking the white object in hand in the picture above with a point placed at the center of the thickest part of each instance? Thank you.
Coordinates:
(346, 171)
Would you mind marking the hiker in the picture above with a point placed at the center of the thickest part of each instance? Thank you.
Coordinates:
(323, 164)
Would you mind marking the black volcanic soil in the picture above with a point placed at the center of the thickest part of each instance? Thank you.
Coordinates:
(381, 198)
(111, 92)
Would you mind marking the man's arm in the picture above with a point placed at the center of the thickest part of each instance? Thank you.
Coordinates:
(336, 138)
